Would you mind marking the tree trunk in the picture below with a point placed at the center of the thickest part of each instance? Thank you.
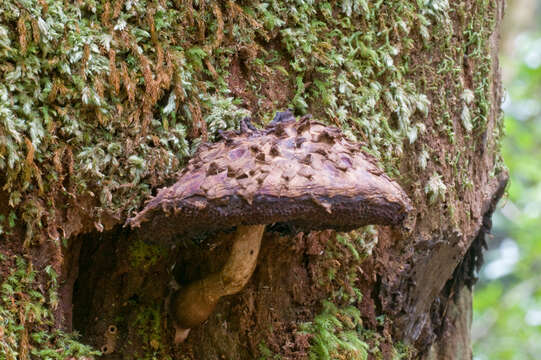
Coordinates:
(118, 96)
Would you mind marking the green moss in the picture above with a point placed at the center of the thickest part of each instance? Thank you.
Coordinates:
(125, 93)
(107, 100)
(100, 100)
(144, 254)
(342, 260)
(149, 322)
(338, 333)
(350, 68)
(403, 351)
(477, 34)
(26, 318)
(435, 189)
(266, 353)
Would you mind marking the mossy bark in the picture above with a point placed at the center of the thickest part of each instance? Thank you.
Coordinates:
(102, 102)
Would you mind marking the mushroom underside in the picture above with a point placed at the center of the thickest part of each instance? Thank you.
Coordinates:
(196, 215)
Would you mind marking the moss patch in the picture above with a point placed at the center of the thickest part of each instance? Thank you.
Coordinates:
(338, 333)
(149, 321)
(338, 330)
(105, 100)
(144, 255)
(26, 318)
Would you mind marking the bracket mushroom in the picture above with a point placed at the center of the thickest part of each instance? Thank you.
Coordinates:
(305, 174)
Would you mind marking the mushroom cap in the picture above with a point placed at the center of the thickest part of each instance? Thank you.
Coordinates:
(305, 174)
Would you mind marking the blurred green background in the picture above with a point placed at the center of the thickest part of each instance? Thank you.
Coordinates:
(507, 299)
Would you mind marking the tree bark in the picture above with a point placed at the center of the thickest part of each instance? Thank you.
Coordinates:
(418, 86)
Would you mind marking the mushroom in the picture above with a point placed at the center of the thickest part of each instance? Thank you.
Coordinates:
(305, 174)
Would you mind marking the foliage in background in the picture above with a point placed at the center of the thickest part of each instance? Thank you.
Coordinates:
(507, 303)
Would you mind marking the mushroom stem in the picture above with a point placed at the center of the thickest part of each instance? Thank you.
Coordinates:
(193, 304)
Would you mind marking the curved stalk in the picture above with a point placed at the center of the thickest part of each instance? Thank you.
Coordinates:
(193, 304)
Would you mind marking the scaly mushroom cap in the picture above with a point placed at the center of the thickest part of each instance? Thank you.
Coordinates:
(304, 173)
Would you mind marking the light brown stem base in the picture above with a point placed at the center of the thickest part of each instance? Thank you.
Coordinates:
(193, 304)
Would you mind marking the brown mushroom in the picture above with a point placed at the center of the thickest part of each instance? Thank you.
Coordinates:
(304, 174)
